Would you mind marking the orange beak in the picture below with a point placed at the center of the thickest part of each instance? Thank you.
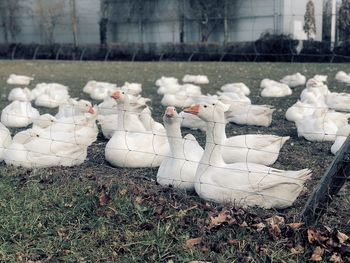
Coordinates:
(116, 94)
(91, 110)
(194, 109)
(169, 112)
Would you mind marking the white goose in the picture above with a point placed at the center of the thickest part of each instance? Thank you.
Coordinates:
(50, 95)
(275, 89)
(5, 140)
(236, 87)
(244, 113)
(20, 94)
(34, 148)
(42, 88)
(99, 90)
(19, 80)
(134, 149)
(18, 114)
(319, 127)
(341, 76)
(294, 80)
(109, 123)
(197, 79)
(241, 184)
(73, 107)
(338, 101)
(342, 134)
(132, 88)
(255, 148)
(178, 169)
(167, 85)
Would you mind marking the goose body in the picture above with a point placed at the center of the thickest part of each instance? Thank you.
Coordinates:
(20, 94)
(167, 85)
(59, 144)
(301, 109)
(42, 88)
(338, 101)
(341, 76)
(342, 134)
(273, 88)
(294, 80)
(179, 167)
(236, 88)
(319, 127)
(191, 121)
(228, 97)
(5, 140)
(255, 148)
(18, 114)
(243, 113)
(50, 95)
(19, 80)
(134, 148)
(132, 88)
(99, 90)
(73, 107)
(241, 184)
(197, 79)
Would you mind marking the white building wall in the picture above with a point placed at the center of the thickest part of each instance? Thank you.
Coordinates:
(293, 18)
(247, 20)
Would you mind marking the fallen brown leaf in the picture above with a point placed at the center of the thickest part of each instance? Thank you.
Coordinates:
(259, 227)
(342, 237)
(103, 199)
(317, 254)
(315, 235)
(275, 220)
(336, 258)
(275, 230)
(295, 226)
(219, 219)
(190, 243)
(298, 249)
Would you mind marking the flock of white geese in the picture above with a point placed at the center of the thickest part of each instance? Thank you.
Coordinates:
(229, 169)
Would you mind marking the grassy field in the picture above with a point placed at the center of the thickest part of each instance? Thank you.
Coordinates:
(97, 213)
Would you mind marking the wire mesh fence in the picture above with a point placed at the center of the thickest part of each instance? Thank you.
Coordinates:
(237, 169)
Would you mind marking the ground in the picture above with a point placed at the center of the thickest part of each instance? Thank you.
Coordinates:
(97, 213)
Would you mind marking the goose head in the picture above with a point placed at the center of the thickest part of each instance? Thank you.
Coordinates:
(120, 96)
(206, 111)
(171, 116)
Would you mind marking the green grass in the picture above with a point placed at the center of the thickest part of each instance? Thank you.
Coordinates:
(97, 213)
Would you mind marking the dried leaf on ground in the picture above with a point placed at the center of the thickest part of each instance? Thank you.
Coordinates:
(295, 226)
(342, 237)
(190, 243)
(275, 231)
(275, 220)
(336, 258)
(222, 217)
(315, 235)
(259, 227)
(103, 199)
(298, 249)
(317, 254)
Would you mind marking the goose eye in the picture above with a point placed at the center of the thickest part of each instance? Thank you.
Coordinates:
(123, 92)
(205, 106)
(213, 104)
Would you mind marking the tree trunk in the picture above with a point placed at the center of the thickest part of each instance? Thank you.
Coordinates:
(225, 23)
(182, 21)
(104, 22)
(74, 22)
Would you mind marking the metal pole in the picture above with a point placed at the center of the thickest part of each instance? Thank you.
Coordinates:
(333, 23)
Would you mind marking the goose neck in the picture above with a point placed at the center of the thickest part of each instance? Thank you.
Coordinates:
(215, 136)
(175, 140)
